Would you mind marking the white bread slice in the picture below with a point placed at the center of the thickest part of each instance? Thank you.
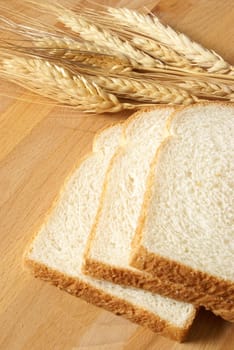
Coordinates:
(185, 232)
(56, 253)
(109, 246)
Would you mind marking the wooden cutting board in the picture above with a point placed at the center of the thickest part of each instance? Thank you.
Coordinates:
(39, 144)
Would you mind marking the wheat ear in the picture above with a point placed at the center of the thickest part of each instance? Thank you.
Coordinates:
(165, 54)
(141, 90)
(105, 38)
(208, 89)
(153, 28)
(83, 52)
(54, 81)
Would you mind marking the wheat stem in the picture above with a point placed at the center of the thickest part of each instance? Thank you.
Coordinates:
(153, 28)
(107, 39)
(54, 81)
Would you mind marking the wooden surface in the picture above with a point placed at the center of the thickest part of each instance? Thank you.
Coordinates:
(39, 144)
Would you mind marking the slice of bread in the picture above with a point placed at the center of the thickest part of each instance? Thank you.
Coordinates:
(185, 232)
(56, 253)
(109, 246)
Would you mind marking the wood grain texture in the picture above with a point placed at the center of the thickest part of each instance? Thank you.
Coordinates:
(39, 145)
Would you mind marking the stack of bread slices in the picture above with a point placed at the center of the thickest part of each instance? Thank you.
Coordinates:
(144, 225)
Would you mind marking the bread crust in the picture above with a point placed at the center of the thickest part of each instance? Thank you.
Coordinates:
(118, 306)
(197, 287)
(154, 284)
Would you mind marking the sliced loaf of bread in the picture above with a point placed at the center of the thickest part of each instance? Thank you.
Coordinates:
(56, 253)
(185, 231)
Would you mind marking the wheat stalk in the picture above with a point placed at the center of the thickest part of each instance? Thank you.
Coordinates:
(153, 28)
(54, 81)
(165, 54)
(74, 57)
(105, 38)
(198, 86)
(83, 52)
(141, 90)
(209, 89)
